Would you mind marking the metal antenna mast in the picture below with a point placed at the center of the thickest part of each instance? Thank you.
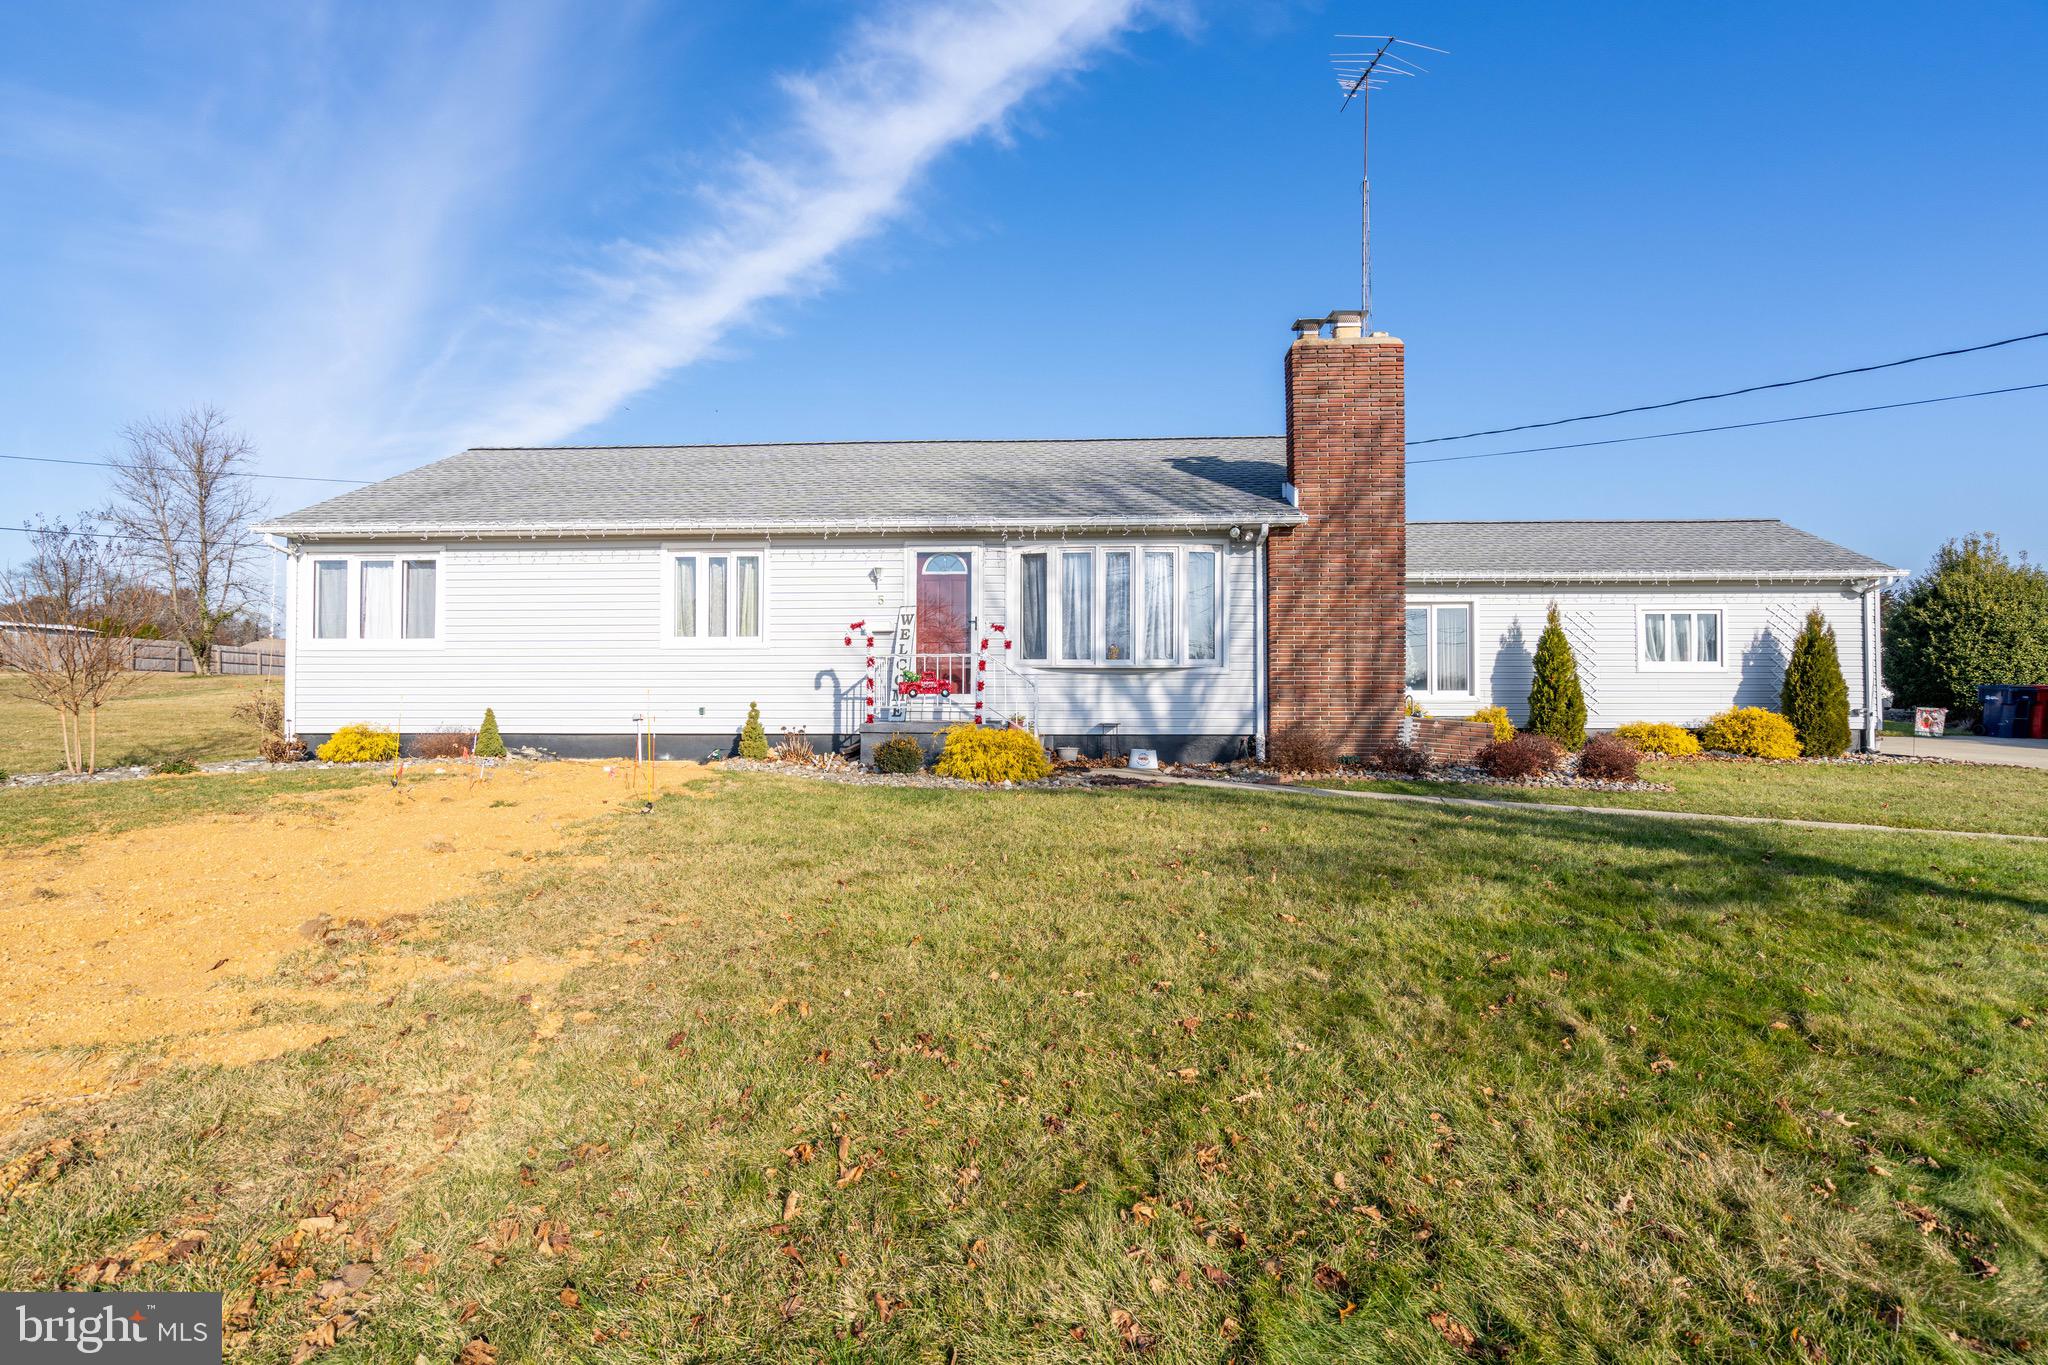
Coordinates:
(1359, 74)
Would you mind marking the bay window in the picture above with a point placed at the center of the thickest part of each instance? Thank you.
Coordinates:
(1439, 648)
(1119, 605)
(714, 596)
(1681, 639)
(381, 598)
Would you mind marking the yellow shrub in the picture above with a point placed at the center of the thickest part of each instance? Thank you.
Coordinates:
(358, 744)
(1753, 732)
(1497, 717)
(980, 754)
(1646, 738)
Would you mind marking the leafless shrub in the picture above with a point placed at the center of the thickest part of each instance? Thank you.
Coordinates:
(1526, 755)
(445, 744)
(1607, 759)
(65, 613)
(796, 748)
(1300, 749)
(1405, 759)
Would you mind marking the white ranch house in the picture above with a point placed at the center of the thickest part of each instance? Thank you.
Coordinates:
(1167, 593)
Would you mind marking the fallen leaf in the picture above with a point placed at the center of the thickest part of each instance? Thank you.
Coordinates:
(1135, 1337)
(1454, 1333)
(569, 1297)
(478, 1352)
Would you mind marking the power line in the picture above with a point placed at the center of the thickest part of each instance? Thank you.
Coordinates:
(1733, 393)
(54, 529)
(237, 474)
(1732, 426)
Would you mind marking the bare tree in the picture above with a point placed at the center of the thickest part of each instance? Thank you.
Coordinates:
(182, 492)
(65, 616)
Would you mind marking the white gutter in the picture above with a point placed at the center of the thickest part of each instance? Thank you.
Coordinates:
(819, 526)
(1653, 579)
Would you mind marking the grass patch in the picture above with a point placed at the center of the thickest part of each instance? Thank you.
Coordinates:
(1980, 797)
(800, 1072)
(161, 718)
(39, 815)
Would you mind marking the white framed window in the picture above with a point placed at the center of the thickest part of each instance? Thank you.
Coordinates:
(388, 597)
(1681, 637)
(1120, 605)
(1439, 648)
(714, 595)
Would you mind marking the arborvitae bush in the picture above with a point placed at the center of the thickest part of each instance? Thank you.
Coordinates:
(489, 743)
(753, 739)
(1557, 705)
(1815, 697)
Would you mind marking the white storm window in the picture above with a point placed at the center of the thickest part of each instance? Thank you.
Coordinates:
(1120, 605)
(715, 596)
(1439, 648)
(376, 599)
(1681, 639)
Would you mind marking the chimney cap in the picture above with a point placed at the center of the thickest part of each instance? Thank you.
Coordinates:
(1347, 324)
(1309, 327)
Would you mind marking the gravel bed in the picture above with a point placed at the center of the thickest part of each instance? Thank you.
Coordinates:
(853, 775)
(1565, 779)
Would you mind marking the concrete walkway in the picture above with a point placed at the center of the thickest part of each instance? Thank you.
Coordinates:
(2018, 753)
(1542, 807)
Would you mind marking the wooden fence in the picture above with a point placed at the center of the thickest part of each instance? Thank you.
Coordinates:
(173, 656)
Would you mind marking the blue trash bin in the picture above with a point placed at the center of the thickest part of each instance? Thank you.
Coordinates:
(1995, 701)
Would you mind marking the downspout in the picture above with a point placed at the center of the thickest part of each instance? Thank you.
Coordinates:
(284, 546)
(1873, 663)
(1259, 671)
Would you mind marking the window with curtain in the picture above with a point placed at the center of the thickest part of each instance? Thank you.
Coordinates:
(1682, 639)
(330, 599)
(1031, 602)
(1116, 606)
(1077, 605)
(416, 620)
(1201, 605)
(1140, 605)
(1160, 645)
(1439, 648)
(378, 599)
(717, 596)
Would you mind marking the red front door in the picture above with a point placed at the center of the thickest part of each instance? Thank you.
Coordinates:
(944, 612)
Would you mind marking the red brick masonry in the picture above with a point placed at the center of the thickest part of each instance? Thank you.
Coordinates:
(1337, 587)
(1451, 741)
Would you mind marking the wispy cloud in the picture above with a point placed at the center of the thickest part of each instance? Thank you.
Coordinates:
(908, 86)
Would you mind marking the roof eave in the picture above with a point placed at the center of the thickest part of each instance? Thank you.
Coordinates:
(1274, 516)
(1833, 575)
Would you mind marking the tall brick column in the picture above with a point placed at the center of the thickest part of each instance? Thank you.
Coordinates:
(1337, 587)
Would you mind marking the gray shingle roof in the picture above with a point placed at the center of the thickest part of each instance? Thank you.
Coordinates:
(1627, 551)
(1191, 481)
(1170, 481)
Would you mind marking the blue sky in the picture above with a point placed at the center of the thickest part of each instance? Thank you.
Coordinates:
(375, 234)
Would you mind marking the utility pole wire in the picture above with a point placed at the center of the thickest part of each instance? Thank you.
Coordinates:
(1733, 393)
(1732, 426)
(237, 474)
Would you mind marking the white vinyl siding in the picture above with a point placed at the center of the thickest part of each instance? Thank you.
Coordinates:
(1751, 630)
(578, 637)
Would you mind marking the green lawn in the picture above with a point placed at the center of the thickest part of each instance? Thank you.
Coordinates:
(889, 1074)
(1911, 796)
(157, 718)
(38, 815)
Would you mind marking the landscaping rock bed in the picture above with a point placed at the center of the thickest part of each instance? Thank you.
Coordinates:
(1565, 778)
(854, 775)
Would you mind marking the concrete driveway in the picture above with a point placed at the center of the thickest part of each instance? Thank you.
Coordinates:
(2020, 753)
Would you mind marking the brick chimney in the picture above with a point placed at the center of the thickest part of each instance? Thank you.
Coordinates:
(1337, 587)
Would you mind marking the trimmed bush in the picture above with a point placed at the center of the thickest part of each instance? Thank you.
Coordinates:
(1752, 732)
(978, 753)
(1300, 749)
(1607, 759)
(445, 744)
(1405, 759)
(899, 754)
(359, 744)
(1497, 717)
(489, 743)
(1526, 755)
(1644, 737)
(1815, 698)
(753, 739)
(1557, 704)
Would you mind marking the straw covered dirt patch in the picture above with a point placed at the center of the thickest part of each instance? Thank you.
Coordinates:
(169, 937)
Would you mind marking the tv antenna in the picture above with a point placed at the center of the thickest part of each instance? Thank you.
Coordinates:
(1361, 73)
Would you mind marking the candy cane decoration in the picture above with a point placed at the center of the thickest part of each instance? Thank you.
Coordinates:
(859, 629)
(981, 668)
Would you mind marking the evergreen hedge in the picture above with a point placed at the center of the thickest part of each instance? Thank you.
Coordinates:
(1557, 705)
(1815, 698)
